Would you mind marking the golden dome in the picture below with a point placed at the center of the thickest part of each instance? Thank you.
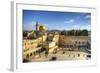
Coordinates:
(42, 28)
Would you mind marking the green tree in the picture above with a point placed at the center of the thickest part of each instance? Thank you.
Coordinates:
(63, 32)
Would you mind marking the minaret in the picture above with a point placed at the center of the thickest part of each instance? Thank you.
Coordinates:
(37, 26)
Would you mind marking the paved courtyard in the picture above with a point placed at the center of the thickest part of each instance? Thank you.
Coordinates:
(60, 55)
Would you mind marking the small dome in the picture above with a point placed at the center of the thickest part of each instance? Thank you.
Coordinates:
(42, 28)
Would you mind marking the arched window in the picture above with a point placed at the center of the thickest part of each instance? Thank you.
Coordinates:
(30, 54)
(78, 55)
(27, 56)
(34, 53)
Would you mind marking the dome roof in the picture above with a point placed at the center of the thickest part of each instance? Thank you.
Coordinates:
(42, 28)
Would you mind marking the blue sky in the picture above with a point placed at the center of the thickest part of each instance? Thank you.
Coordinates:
(56, 20)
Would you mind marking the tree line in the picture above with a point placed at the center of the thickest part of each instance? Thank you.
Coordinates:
(75, 32)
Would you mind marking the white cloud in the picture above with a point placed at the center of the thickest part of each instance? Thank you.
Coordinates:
(29, 26)
(88, 16)
(70, 21)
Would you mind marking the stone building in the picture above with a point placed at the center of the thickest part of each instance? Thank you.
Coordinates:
(74, 42)
(33, 46)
